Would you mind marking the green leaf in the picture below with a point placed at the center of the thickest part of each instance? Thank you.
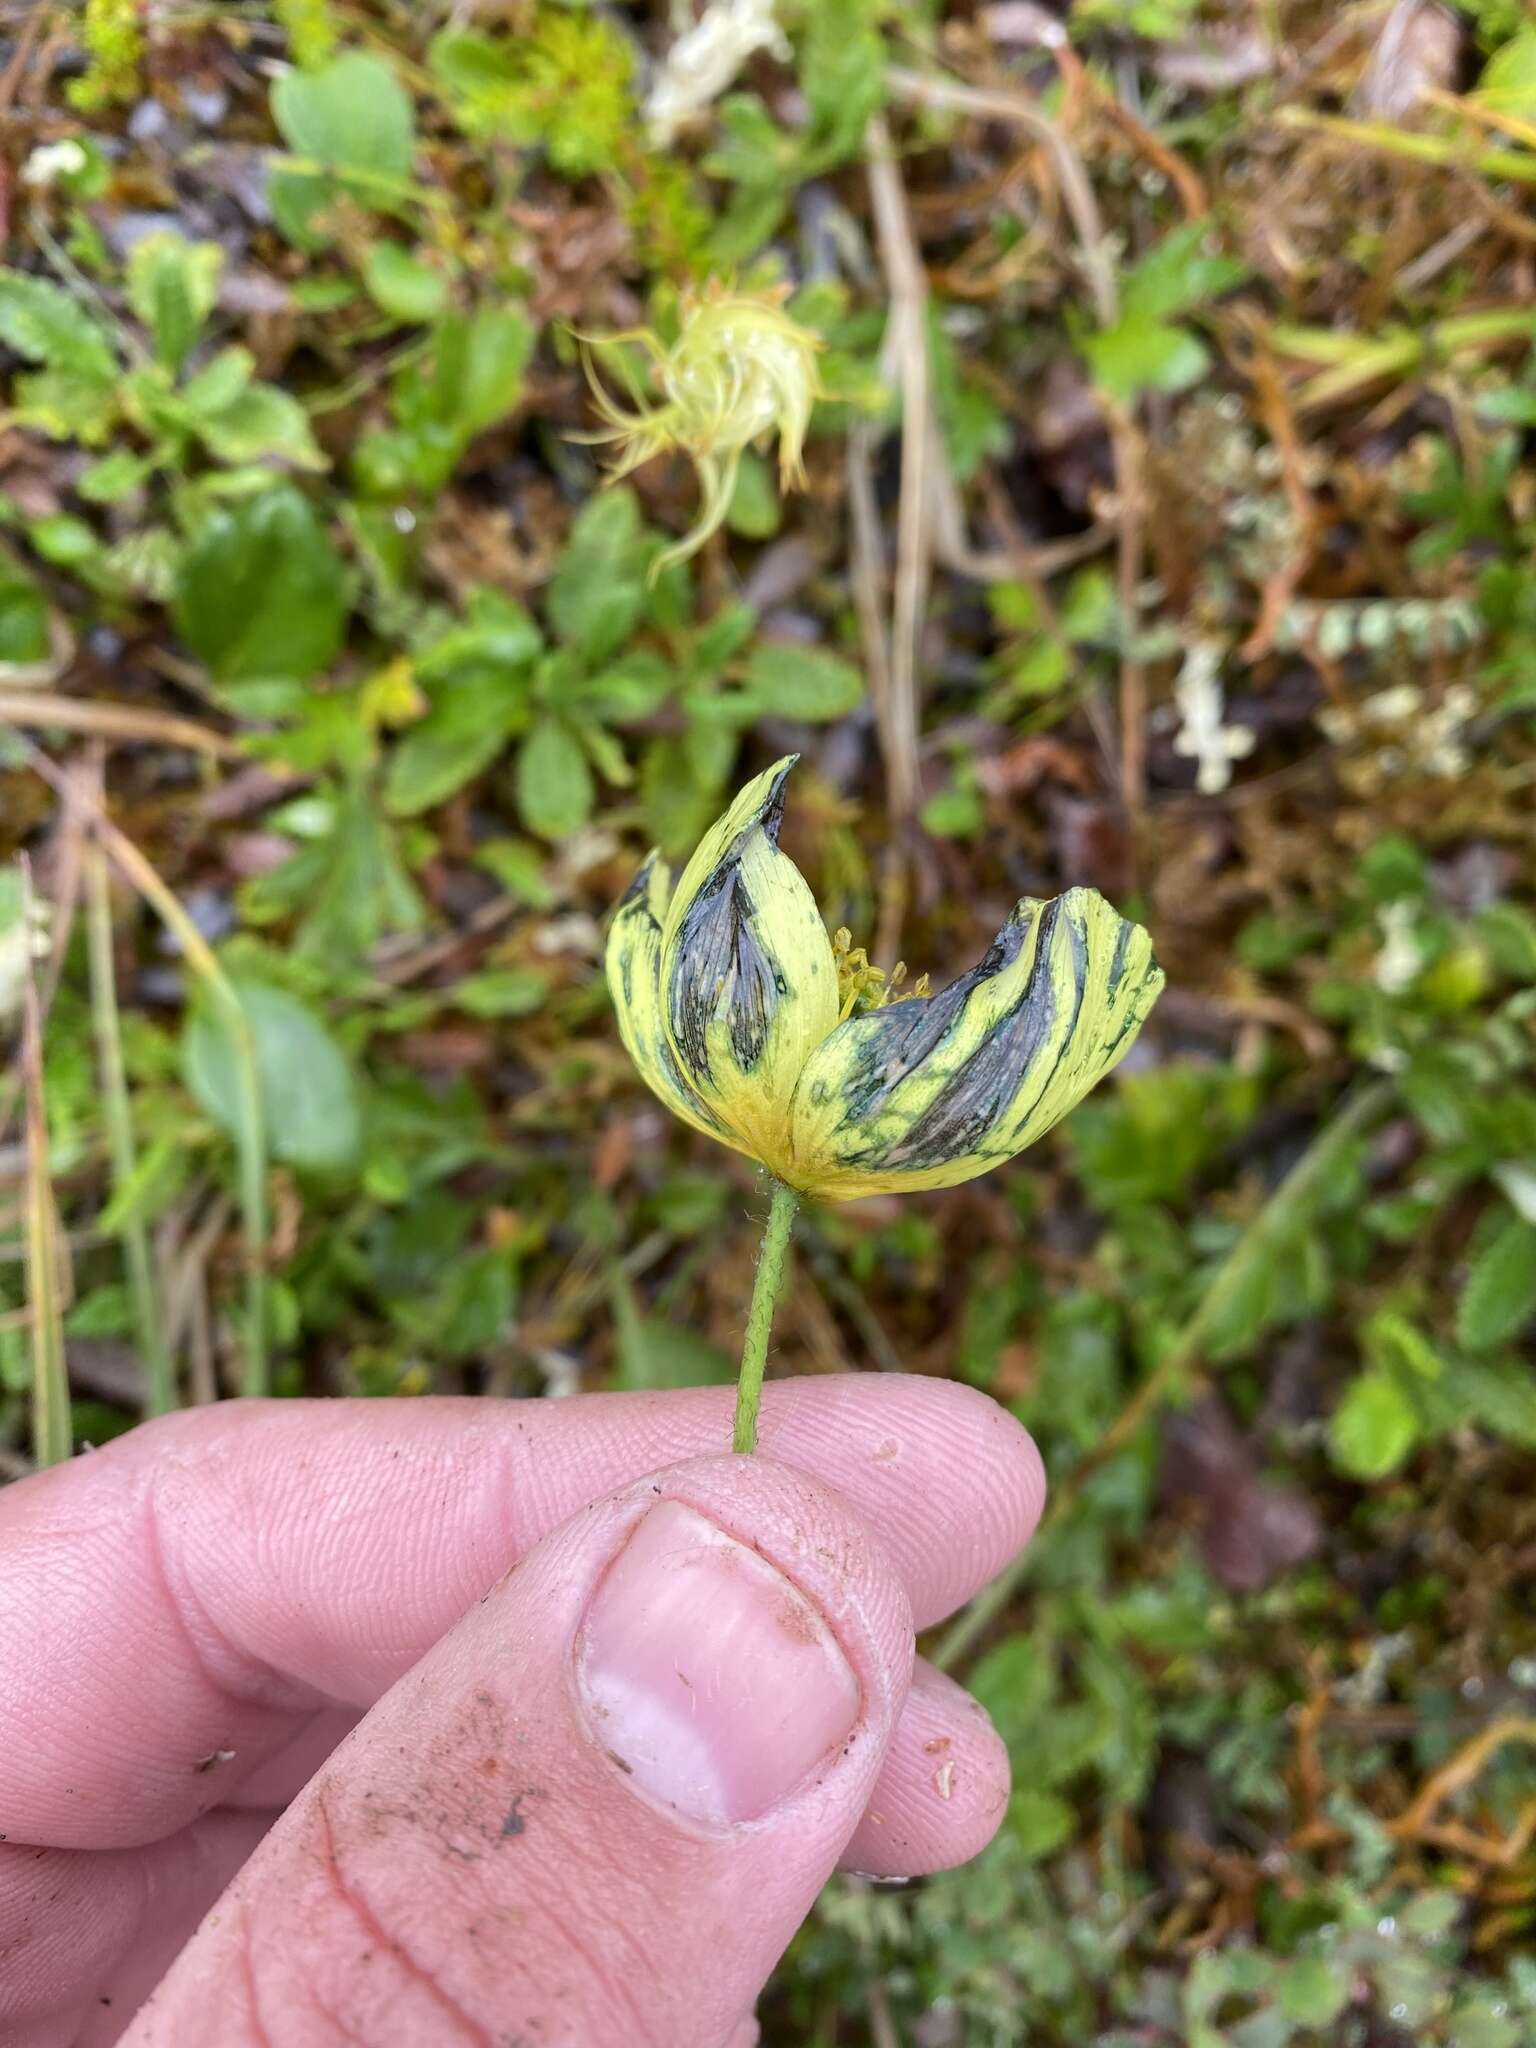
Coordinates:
(502, 992)
(479, 76)
(554, 783)
(75, 395)
(25, 639)
(798, 682)
(654, 1353)
(842, 74)
(1039, 1822)
(1177, 276)
(754, 512)
(350, 115)
(261, 421)
(408, 289)
(1373, 1428)
(1016, 1683)
(353, 118)
(218, 383)
(605, 750)
(1313, 1992)
(114, 477)
(1501, 1394)
(348, 886)
(173, 285)
(310, 1109)
(1137, 355)
(471, 380)
(262, 592)
(104, 1312)
(956, 811)
(1430, 1916)
(596, 595)
(1499, 1297)
(519, 866)
(1508, 83)
(720, 639)
(471, 720)
(480, 365)
(160, 1172)
(1142, 350)
(1508, 930)
(637, 684)
(44, 324)
(495, 633)
(677, 807)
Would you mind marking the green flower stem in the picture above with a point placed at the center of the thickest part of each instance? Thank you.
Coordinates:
(765, 1292)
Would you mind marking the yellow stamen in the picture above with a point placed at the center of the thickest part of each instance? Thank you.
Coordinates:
(862, 985)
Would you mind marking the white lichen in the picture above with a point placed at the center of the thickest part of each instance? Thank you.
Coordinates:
(1425, 737)
(706, 58)
(51, 161)
(1203, 735)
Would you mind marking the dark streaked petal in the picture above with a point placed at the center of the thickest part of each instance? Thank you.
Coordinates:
(748, 981)
(634, 981)
(933, 1091)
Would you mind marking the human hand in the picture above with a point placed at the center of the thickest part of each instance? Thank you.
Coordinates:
(580, 1804)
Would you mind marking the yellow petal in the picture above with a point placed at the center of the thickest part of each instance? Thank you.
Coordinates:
(748, 981)
(927, 1093)
(634, 981)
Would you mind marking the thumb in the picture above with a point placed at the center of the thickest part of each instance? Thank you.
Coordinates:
(597, 1810)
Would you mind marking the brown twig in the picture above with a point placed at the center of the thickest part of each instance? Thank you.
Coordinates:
(1193, 196)
(906, 345)
(985, 103)
(41, 709)
(1416, 1820)
(1280, 424)
(1126, 443)
(989, 104)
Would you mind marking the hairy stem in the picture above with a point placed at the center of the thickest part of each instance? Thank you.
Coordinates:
(765, 1292)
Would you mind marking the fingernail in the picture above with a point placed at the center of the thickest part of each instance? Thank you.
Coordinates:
(709, 1678)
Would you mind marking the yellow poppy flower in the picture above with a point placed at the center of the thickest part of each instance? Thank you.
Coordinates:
(728, 999)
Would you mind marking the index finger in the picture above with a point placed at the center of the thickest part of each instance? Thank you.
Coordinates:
(175, 1603)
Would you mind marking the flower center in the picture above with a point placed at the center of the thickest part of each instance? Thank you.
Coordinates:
(863, 986)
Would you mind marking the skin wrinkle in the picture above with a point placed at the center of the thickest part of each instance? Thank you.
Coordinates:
(567, 1926)
(260, 1686)
(564, 1914)
(334, 2019)
(365, 1918)
(248, 1981)
(37, 1945)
